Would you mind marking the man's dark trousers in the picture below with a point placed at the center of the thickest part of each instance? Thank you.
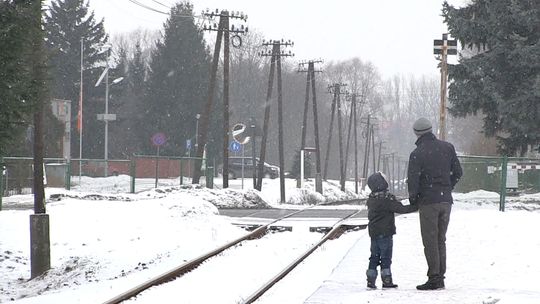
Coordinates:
(434, 219)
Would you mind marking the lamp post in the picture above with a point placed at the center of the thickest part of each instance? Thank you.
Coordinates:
(106, 116)
(197, 131)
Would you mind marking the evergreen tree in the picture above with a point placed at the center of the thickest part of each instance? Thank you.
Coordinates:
(67, 22)
(16, 130)
(178, 84)
(14, 73)
(130, 108)
(502, 78)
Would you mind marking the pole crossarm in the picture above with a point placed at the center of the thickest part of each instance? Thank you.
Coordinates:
(302, 65)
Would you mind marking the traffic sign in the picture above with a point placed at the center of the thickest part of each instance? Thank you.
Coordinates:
(239, 135)
(188, 144)
(159, 139)
(235, 146)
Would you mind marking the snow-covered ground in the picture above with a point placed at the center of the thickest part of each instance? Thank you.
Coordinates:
(105, 240)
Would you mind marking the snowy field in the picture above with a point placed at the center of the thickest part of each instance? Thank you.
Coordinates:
(104, 241)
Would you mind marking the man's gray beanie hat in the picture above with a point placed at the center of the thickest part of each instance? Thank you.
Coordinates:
(421, 126)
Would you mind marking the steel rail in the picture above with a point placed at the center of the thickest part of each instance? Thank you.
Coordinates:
(192, 264)
(334, 232)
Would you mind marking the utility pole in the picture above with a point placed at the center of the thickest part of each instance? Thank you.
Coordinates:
(311, 82)
(352, 121)
(275, 64)
(355, 145)
(373, 147)
(335, 90)
(366, 151)
(40, 250)
(444, 48)
(226, 50)
(224, 30)
(253, 160)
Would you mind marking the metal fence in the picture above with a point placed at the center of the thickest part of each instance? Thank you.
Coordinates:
(504, 175)
(144, 172)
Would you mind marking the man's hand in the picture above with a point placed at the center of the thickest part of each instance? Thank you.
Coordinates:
(413, 201)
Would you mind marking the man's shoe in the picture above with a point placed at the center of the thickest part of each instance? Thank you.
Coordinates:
(432, 284)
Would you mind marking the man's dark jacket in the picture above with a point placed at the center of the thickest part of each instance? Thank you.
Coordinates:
(434, 170)
(381, 208)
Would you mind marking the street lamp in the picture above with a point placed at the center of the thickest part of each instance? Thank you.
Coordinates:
(106, 116)
(197, 131)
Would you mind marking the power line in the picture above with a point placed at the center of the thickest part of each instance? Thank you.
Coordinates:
(142, 5)
(164, 5)
(147, 7)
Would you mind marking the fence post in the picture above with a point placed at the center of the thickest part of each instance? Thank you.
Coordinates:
(503, 183)
(133, 173)
(68, 175)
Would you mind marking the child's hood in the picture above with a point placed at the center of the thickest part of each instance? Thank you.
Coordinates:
(377, 182)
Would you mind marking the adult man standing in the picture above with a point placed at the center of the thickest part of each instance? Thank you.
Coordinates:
(434, 170)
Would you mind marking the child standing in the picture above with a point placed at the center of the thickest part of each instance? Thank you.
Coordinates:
(381, 208)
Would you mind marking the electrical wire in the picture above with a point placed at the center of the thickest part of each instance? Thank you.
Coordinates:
(142, 5)
(164, 5)
(147, 7)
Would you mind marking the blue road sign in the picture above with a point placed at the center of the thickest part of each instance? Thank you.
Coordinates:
(235, 146)
(159, 139)
(188, 144)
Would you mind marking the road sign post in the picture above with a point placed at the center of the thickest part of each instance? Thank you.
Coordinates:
(240, 138)
(158, 140)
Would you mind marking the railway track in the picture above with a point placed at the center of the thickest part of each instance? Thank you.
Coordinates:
(310, 246)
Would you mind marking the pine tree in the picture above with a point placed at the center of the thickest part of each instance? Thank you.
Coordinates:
(67, 22)
(130, 106)
(14, 73)
(501, 78)
(178, 83)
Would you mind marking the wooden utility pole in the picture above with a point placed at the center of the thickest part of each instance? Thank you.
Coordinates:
(348, 97)
(335, 90)
(444, 48)
(355, 145)
(366, 151)
(275, 63)
(266, 122)
(226, 43)
(223, 30)
(40, 252)
(311, 82)
(329, 142)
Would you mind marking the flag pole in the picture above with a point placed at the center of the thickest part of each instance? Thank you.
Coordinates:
(79, 116)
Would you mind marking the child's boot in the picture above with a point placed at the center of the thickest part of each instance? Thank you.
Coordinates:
(371, 278)
(386, 276)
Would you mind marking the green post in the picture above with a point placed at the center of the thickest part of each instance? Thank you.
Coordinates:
(132, 172)
(503, 183)
(1, 180)
(68, 175)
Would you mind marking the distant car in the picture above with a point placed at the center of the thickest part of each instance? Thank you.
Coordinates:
(235, 168)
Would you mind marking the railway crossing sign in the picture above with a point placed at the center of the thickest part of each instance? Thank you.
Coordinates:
(445, 45)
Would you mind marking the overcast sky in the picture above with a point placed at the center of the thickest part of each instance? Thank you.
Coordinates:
(395, 35)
